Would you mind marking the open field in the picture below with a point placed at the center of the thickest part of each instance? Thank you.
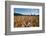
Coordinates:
(26, 21)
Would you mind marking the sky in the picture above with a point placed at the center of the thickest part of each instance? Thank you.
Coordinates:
(26, 11)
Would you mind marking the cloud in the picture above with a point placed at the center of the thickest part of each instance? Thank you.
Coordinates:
(27, 11)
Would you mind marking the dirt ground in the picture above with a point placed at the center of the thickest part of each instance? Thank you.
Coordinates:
(26, 21)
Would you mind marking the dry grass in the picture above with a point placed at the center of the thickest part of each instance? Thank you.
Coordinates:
(26, 21)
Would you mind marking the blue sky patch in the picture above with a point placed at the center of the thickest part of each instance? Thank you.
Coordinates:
(26, 11)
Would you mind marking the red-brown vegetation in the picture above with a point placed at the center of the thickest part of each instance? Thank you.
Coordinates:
(26, 21)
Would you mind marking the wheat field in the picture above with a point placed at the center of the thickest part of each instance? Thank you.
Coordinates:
(26, 21)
